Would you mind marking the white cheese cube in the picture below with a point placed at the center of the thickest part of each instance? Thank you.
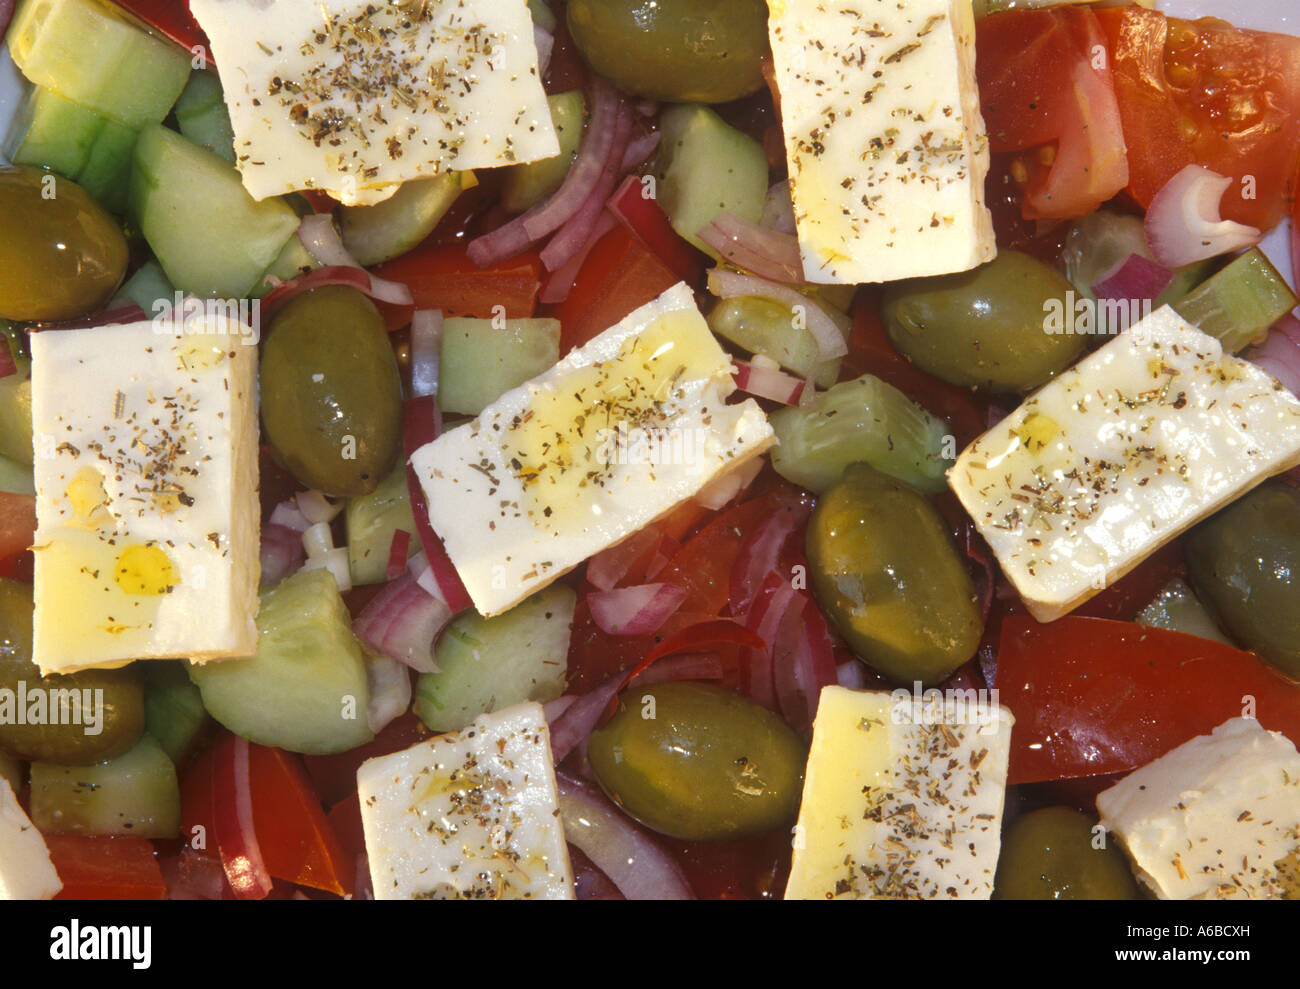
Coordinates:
(1216, 818)
(902, 798)
(26, 872)
(618, 433)
(146, 493)
(883, 136)
(354, 97)
(468, 815)
(1117, 456)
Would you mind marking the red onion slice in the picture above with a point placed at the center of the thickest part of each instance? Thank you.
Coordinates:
(778, 209)
(390, 691)
(684, 666)
(280, 553)
(803, 662)
(232, 807)
(1279, 354)
(576, 722)
(830, 341)
(357, 278)
(760, 558)
(767, 382)
(402, 621)
(322, 240)
(619, 848)
(559, 283)
(609, 566)
(638, 150)
(545, 42)
(765, 252)
(1135, 277)
(1184, 225)
(398, 550)
(774, 598)
(638, 610)
(426, 351)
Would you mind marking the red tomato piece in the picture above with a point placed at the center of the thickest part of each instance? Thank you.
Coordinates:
(17, 532)
(1207, 93)
(173, 19)
(105, 868)
(1093, 696)
(1046, 88)
(441, 276)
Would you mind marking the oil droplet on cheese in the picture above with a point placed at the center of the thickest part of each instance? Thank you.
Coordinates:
(1037, 431)
(198, 354)
(88, 499)
(145, 570)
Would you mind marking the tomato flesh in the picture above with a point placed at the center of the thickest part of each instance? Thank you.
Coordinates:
(105, 868)
(441, 276)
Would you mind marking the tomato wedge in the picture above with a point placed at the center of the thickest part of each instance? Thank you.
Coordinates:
(17, 532)
(1046, 88)
(1093, 696)
(1206, 93)
(296, 840)
(173, 19)
(441, 276)
(105, 868)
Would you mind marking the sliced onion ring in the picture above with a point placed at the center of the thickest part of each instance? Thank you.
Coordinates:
(768, 382)
(830, 341)
(1136, 278)
(1183, 223)
(322, 240)
(765, 252)
(638, 610)
(402, 622)
(426, 351)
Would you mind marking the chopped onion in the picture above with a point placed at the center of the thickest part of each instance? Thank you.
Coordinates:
(774, 598)
(1183, 223)
(637, 610)
(610, 565)
(319, 236)
(397, 553)
(765, 252)
(280, 553)
(1135, 277)
(289, 515)
(283, 293)
(683, 666)
(638, 150)
(759, 558)
(426, 349)
(402, 621)
(722, 490)
(803, 662)
(336, 562)
(315, 507)
(559, 283)
(778, 209)
(545, 42)
(390, 690)
(318, 540)
(576, 722)
(830, 341)
(766, 382)
(555, 707)
(1279, 354)
(616, 846)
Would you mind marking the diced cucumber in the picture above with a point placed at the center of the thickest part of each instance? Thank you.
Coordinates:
(147, 287)
(89, 52)
(707, 167)
(305, 690)
(374, 234)
(486, 664)
(202, 116)
(1178, 609)
(173, 708)
(134, 794)
(1240, 302)
(12, 771)
(542, 15)
(766, 326)
(293, 260)
(482, 359)
(371, 521)
(530, 183)
(863, 419)
(16, 417)
(54, 133)
(107, 173)
(15, 477)
(210, 236)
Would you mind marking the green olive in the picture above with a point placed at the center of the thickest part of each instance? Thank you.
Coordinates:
(1052, 854)
(61, 253)
(683, 51)
(698, 762)
(985, 328)
(331, 391)
(1245, 565)
(100, 724)
(886, 572)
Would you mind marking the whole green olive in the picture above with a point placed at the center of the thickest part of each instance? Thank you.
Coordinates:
(1052, 854)
(683, 51)
(985, 328)
(72, 720)
(331, 391)
(1245, 565)
(61, 253)
(698, 762)
(884, 569)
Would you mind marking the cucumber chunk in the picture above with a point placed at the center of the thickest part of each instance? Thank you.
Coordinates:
(374, 234)
(293, 260)
(305, 690)
(371, 521)
(542, 15)
(1240, 302)
(16, 417)
(173, 709)
(210, 236)
(136, 794)
(482, 359)
(202, 116)
(54, 133)
(487, 664)
(148, 287)
(707, 167)
(766, 326)
(89, 52)
(107, 172)
(530, 183)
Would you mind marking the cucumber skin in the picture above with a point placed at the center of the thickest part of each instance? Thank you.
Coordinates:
(136, 794)
(371, 521)
(107, 172)
(306, 689)
(521, 656)
(16, 417)
(202, 116)
(482, 359)
(173, 709)
(55, 133)
(530, 183)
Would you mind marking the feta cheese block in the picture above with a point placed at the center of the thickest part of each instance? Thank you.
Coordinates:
(618, 433)
(1117, 456)
(146, 492)
(1216, 818)
(468, 815)
(883, 136)
(26, 872)
(354, 97)
(902, 798)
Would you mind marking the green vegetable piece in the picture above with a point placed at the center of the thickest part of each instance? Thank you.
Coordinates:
(861, 420)
(884, 569)
(374, 234)
(1053, 854)
(173, 709)
(487, 664)
(542, 15)
(1178, 609)
(135, 794)
(697, 762)
(148, 288)
(371, 521)
(202, 116)
(305, 690)
(51, 132)
(482, 359)
(1239, 303)
(16, 416)
(107, 172)
(293, 260)
(530, 183)
(768, 327)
